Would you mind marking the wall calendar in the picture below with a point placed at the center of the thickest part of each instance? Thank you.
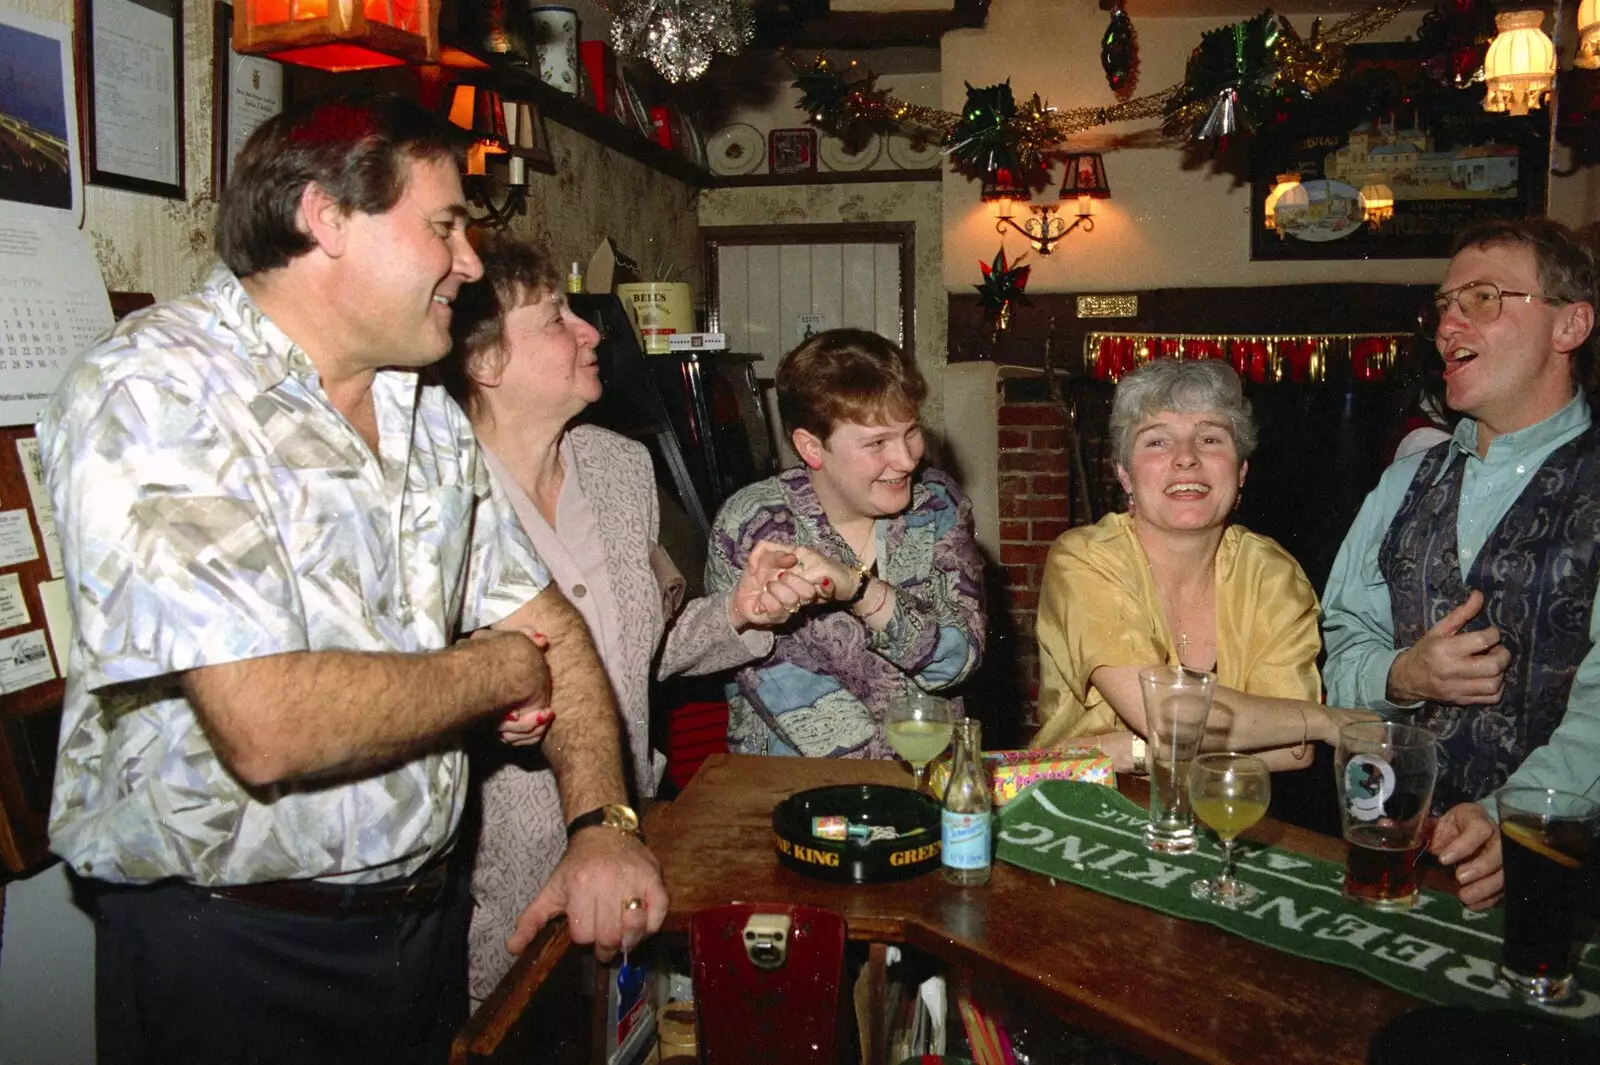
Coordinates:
(53, 305)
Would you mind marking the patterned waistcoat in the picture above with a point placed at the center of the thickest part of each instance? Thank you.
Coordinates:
(1537, 572)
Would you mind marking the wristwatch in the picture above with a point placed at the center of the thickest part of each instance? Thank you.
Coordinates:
(1141, 764)
(613, 815)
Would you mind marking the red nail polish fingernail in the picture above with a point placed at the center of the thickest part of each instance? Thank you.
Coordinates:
(511, 715)
(826, 583)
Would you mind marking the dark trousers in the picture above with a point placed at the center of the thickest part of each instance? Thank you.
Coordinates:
(183, 977)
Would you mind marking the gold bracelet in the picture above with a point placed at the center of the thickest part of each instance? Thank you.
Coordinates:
(1305, 734)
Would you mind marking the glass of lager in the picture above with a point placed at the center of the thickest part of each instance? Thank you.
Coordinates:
(1385, 774)
(1177, 701)
(1547, 845)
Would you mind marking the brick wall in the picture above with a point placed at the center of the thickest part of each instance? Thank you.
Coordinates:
(1036, 506)
(1034, 510)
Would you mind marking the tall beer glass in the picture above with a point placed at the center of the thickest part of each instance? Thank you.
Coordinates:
(1385, 774)
(1547, 844)
(1177, 702)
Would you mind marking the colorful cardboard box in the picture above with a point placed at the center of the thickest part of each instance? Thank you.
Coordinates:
(1012, 771)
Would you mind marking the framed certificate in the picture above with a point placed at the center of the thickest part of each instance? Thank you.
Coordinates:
(130, 78)
(246, 91)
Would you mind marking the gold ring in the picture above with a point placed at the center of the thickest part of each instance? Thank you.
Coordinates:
(633, 904)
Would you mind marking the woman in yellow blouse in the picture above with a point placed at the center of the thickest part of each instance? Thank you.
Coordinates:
(1171, 581)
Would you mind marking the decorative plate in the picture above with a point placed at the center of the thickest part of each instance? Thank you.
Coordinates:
(694, 142)
(906, 156)
(836, 155)
(641, 114)
(1319, 211)
(736, 149)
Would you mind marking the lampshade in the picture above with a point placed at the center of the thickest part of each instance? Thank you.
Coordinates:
(479, 111)
(1002, 184)
(1520, 65)
(1085, 175)
(1293, 198)
(1270, 208)
(1377, 202)
(1588, 55)
(338, 35)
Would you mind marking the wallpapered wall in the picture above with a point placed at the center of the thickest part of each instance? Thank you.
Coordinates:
(911, 201)
(162, 246)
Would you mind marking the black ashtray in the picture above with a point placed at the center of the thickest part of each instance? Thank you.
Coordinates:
(914, 817)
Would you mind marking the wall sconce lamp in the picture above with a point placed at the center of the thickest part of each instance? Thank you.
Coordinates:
(1269, 209)
(481, 112)
(1083, 181)
(1377, 204)
(1520, 66)
(1588, 56)
(339, 35)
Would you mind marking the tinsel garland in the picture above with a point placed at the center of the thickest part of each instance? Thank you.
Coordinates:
(1369, 357)
(1288, 65)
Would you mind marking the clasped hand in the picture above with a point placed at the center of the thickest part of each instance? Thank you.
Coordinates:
(1448, 665)
(779, 580)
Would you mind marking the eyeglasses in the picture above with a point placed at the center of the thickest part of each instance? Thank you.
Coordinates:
(1480, 303)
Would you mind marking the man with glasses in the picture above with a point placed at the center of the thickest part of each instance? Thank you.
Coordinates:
(1463, 597)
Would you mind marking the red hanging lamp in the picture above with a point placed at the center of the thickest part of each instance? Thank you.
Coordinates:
(339, 35)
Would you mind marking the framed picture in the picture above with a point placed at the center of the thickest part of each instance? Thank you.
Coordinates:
(792, 151)
(1342, 186)
(247, 90)
(525, 130)
(130, 85)
(39, 163)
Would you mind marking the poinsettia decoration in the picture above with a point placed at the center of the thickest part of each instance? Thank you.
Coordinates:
(1002, 287)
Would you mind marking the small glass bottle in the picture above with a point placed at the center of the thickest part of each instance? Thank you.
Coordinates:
(965, 823)
(575, 279)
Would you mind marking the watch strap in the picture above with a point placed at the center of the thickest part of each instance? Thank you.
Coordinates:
(597, 816)
(865, 575)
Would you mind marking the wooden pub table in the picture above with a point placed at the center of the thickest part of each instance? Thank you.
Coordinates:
(1169, 989)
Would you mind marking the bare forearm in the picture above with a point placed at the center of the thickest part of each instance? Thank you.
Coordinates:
(1242, 721)
(584, 745)
(320, 713)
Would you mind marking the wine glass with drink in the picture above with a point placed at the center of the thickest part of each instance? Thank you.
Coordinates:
(918, 727)
(1229, 792)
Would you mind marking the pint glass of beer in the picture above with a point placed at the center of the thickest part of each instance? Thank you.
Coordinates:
(1177, 701)
(1547, 844)
(1385, 774)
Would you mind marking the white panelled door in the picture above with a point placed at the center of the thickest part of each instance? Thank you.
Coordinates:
(765, 292)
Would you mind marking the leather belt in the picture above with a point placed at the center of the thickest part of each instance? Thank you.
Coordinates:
(314, 899)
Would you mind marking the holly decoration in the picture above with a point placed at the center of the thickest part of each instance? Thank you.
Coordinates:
(1228, 81)
(1118, 51)
(980, 143)
(1457, 34)
(1001, 288)
(834, 99)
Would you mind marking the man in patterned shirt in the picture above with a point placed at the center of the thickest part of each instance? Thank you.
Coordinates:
(274, 537)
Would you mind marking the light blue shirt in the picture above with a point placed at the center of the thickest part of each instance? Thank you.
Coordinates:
(1358, 626)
